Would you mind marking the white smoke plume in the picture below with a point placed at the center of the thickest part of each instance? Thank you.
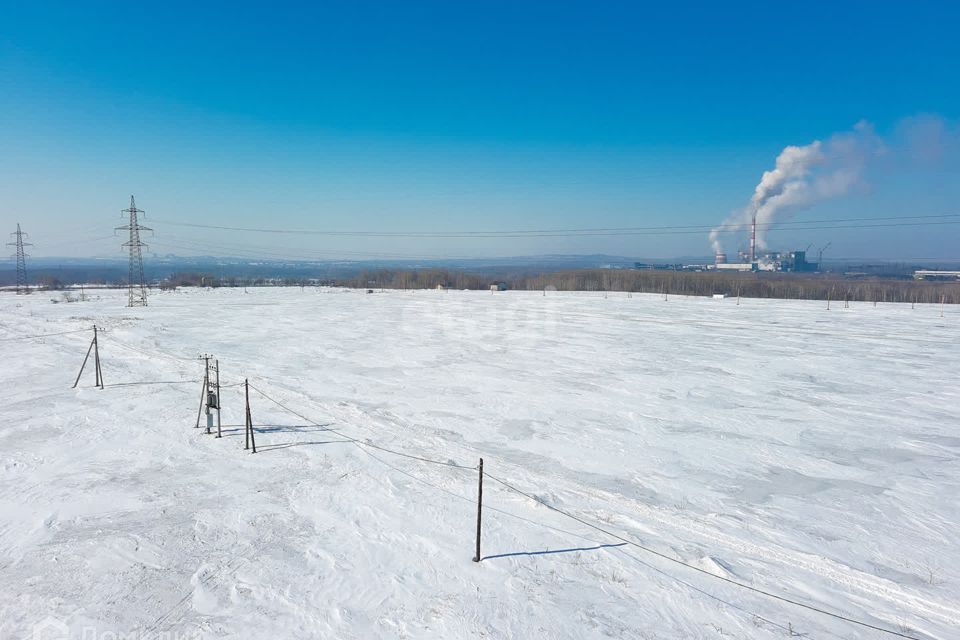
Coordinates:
(802, 177)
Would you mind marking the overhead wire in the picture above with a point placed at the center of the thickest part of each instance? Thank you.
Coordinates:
(664, 556)
(364, 443)
(538, 523)
(149, 354)
(44, 335)
(255, 251)
(314, 423)
(782, 627)
(648, 230)
(614, 535)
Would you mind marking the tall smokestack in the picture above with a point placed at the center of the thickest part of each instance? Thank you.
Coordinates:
(802, 177)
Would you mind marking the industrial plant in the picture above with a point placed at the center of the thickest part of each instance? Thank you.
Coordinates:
(781, 261)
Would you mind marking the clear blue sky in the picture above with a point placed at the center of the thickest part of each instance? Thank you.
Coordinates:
(437, 116)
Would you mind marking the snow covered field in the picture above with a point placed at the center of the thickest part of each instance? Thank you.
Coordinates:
(814, 454)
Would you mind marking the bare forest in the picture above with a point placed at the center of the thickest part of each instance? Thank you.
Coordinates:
(748, 285)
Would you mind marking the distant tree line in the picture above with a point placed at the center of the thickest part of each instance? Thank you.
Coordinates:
(748, 285)
(202, 279)
(417, 279)
(811, 286)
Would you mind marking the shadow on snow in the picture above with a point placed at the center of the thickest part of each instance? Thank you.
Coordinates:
(552, 551)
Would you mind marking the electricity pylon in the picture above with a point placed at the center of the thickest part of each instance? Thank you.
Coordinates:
(136, 289)
(22, 287)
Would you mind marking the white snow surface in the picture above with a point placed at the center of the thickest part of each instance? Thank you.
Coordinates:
(810, 453)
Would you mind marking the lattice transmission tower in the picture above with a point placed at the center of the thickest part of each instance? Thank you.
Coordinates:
(21, 257)
(136, 288)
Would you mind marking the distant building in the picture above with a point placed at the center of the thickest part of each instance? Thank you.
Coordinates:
(646, 266)
(736, 266)
(933, 274)
(498, 286)
(787, 261)
(790, 261)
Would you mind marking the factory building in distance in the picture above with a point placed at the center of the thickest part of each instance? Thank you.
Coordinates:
(781, 261)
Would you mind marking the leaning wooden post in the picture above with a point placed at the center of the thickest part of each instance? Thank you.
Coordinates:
(203, 397)
(85, 358)
(942, 298)
(828, 299)
(96, 357)
(476, 558)
(251, 442)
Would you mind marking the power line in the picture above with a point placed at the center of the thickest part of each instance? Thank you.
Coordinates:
(737, 583)
(702, 592)
(74, 241)
(362, 442)
(150, 354)
(612, 534)
(255, 251)
(577, 535)
(314, 254)
(883, 221)
(44, 335)
(541, 524)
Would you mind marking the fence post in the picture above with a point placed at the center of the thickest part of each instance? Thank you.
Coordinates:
(85, 358)
(476, 558)
(96, 357)
(246, 415)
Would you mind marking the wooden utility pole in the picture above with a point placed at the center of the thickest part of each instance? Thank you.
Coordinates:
(95, 347)
(96, 357)
(205, 389)
(217, 365)
(476, 558)
(250, 439)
